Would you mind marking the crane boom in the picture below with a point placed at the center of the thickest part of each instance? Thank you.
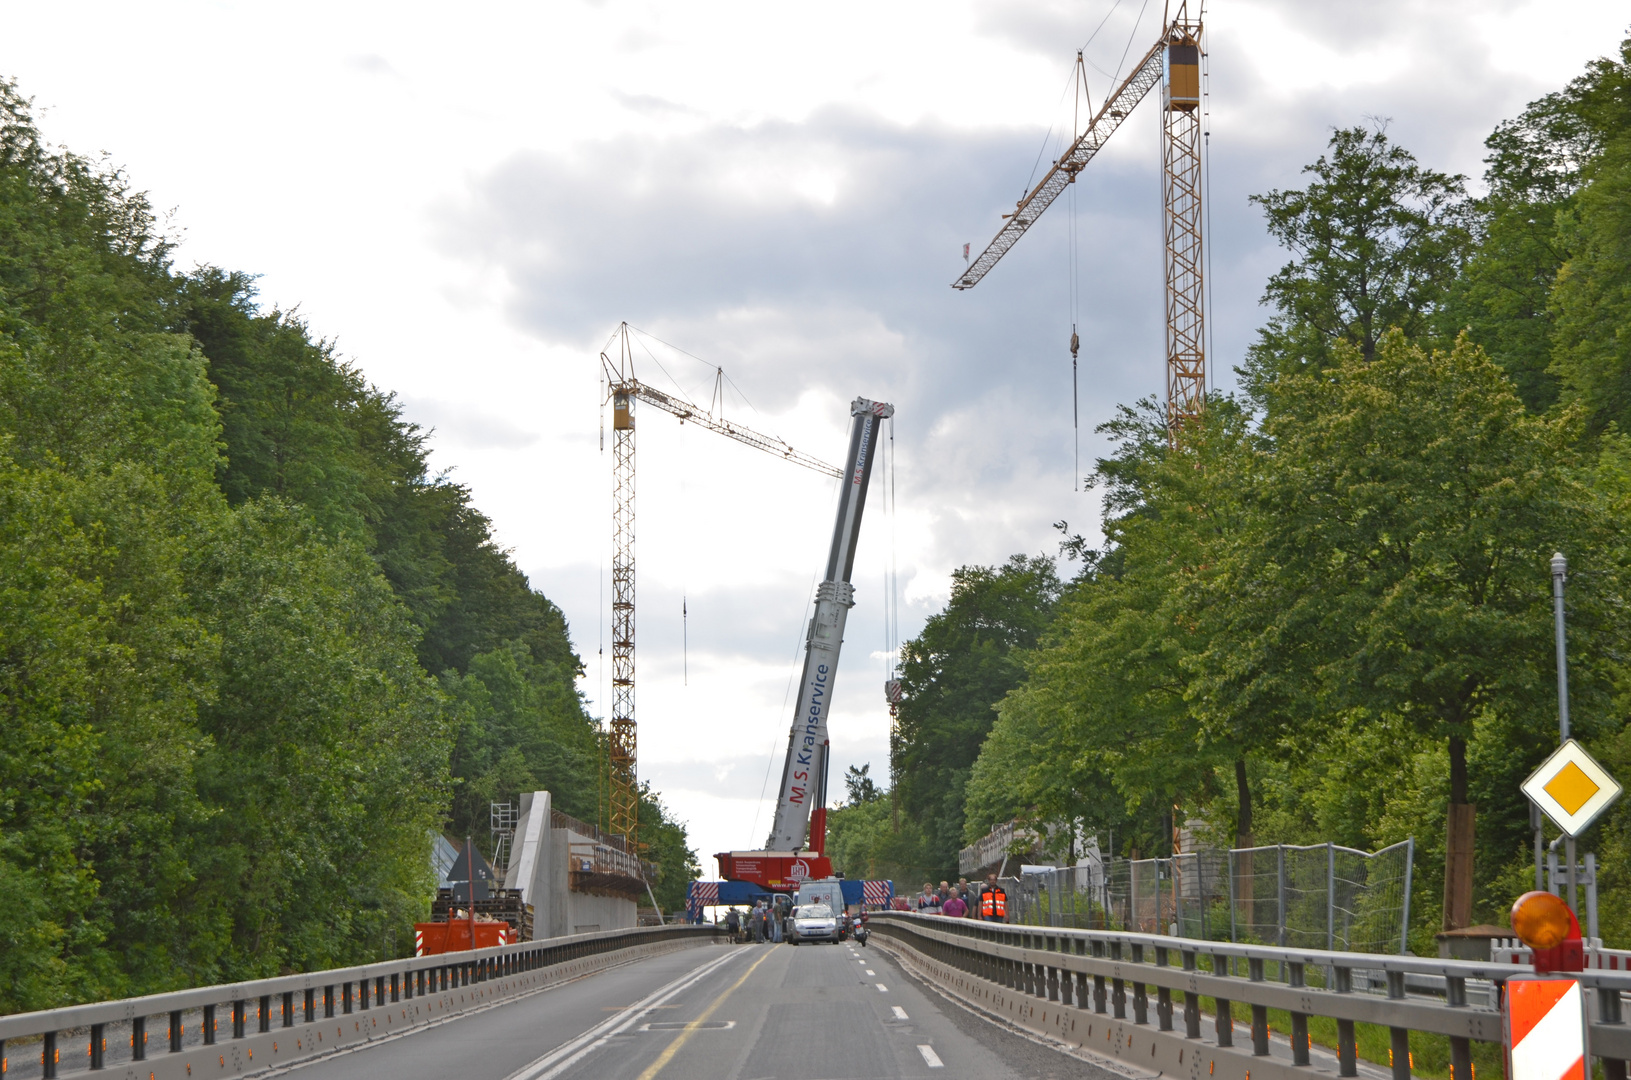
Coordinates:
(683, 409)
(1145, 77)
(804, 773)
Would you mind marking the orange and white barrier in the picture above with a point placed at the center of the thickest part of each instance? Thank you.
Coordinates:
(1546, 1029)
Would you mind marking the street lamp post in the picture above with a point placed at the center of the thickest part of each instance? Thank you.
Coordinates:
(1560, 571)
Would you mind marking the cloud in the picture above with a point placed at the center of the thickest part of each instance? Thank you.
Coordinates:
(465, 427)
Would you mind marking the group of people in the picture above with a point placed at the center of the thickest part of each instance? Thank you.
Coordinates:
(762, 924)
(963, 900)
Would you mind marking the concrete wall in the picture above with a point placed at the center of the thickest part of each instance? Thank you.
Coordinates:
(539, 869)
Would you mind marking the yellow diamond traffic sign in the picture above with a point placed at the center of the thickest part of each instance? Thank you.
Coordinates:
(1571, 788)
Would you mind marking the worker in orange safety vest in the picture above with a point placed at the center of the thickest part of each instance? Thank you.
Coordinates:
(993, 901)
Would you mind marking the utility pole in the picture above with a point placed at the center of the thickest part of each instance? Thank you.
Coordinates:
(1560, 571)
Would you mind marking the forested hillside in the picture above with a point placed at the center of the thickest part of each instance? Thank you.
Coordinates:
(1325, 615)
(252, 652)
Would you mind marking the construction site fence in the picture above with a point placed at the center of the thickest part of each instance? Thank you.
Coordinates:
(1144, 998)
(1321, 896)
(273, 1023)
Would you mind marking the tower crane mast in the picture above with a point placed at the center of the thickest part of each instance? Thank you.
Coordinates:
(623, 391)
(1173, 63)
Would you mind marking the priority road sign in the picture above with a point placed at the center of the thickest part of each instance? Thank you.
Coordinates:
(1571, 788)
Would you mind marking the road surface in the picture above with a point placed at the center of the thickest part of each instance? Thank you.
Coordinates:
(746, 1012)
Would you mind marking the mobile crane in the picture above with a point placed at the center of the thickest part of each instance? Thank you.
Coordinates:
(787, 860)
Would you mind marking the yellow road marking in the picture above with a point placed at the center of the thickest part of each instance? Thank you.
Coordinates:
(674, 1047)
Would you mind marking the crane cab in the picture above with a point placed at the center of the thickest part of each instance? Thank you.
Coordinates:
(1184, 75)
(622, 416)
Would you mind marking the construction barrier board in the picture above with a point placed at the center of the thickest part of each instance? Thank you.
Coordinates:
(1546, 1029)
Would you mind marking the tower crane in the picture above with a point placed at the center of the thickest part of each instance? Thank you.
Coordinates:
(1174, 64)
(623, 391)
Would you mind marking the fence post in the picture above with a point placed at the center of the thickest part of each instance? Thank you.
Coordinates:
(1404, 919)
(1280, 876)
(1330, 896)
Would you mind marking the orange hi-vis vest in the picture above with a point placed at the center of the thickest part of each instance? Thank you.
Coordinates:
(994, 903)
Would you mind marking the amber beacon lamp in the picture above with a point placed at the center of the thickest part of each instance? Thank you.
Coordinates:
(1545, 923)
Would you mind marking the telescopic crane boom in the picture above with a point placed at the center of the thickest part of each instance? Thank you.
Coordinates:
(788, 860)
(804, 774)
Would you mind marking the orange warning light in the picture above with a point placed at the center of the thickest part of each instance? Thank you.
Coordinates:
(1541, 920)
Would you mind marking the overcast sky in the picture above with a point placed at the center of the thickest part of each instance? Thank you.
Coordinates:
(469, 198)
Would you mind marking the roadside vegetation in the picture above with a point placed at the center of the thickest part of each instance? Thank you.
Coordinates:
(1326, 613)
(252, 652)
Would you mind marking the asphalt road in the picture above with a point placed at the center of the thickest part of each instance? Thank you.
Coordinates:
(748, 1012)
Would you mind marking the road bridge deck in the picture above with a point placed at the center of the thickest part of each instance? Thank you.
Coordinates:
(726, 1013)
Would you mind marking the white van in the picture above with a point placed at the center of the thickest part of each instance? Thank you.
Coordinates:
(829, 891)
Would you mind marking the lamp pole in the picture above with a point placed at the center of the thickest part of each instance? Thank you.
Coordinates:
(1560, 571)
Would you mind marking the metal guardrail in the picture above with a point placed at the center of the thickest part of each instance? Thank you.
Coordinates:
(1454, 998)
(300, 1008)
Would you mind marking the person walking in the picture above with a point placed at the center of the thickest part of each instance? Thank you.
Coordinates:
(733, 924)
(993, 901)
(954, 907)
(756, 922)
(775, 916)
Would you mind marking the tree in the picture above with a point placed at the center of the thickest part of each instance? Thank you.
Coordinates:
(1592, 298)
(952, 674)
(1377, 241)
(1414, 505)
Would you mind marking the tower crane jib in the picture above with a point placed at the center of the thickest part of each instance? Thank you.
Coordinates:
(1173, 63)
(624, 390)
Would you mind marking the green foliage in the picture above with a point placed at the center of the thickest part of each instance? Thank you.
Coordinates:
(224, 574)
(952, 675)
(1327, 618)
(1377, 240)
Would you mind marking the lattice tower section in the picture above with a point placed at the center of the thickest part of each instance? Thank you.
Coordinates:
(624, 791)
(1181, 222)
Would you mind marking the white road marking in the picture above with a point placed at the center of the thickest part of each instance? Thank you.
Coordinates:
(930, 1058)
(869, 971)
(575, 1050)
(900, 1013)
(882, 989)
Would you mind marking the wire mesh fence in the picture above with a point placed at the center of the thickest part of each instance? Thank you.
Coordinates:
(1322, 896)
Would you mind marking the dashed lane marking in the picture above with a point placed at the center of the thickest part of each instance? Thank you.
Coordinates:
(869, 971)
(900, 1013)
(882, 989)
(930, 1058)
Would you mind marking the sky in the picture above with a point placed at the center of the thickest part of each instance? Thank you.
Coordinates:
(470, 199)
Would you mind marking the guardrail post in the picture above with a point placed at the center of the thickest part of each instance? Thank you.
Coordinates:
(1141, 992)
(1192, 1001)
(1260, 1013)
(345, 999)
(1608, 1012)
(1118, 987)
(309, 1005)
(395, 995)
(286, 1007)
(209, 1025)
(1099, 999)
(266, 1013)
(175, 1032)
(1081, 976)
(48, 1055)
(1347, 1045)
(328, 1003)
(1299, 1021)
(238, 1019)
(1398, 1038)
(1225, 1021)
(99, 1046)
(138, 1040)
(1163, 995)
